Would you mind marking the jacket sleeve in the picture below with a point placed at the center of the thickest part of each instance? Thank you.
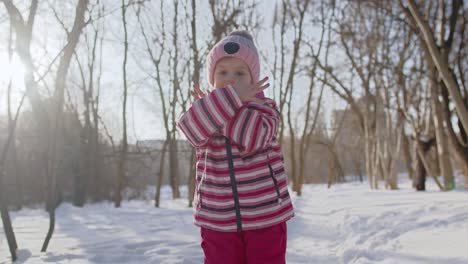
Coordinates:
(209, 114)
(254, 126)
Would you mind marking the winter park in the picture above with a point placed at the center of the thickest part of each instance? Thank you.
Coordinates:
(236, 131)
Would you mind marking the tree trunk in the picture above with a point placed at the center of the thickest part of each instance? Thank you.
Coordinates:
(458, 141)
(331, 172)
(299, 179)
(79, 183)
(19, 179)
(392, 181)
(419, 181)
(81, 178)
(423, 168)
(407, 155)
(96, 161)
(336, 173)
(196, 79)
(173, 150)
(14, 156)
(192, 174)
(441, 138)
(161, 173)
(7, 226)
(121, 166)
(301, 160)
(370, 158)
(174, 168)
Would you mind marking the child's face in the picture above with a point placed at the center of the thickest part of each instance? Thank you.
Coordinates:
(231, 71)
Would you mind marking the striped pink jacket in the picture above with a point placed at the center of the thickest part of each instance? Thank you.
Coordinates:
(241, 183)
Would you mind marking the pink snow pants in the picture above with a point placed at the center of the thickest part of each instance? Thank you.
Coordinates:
(261, 246)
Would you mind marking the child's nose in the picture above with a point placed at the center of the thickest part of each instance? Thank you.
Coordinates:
(229, 82)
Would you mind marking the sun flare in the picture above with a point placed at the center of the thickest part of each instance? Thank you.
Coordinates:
(11, 70)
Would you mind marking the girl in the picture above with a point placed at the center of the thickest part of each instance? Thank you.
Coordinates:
(241, 199)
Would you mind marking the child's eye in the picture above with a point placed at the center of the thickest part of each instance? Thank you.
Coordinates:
(240, 73)
(222, 72)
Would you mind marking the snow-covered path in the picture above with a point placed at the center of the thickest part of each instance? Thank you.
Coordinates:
(346, 224)
(352, 224)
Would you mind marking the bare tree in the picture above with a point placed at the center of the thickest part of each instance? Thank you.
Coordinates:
(49, 127)
(414, 106)
(310, 122)
(440, 134)
(284, 75)
(172, 129)
(196, 80)
(156, 48)
(439, 53)
(13, 152)
(6, 221)
(389, 132)
(298, 11)
(122, 158)
(404, 93)
(86, 182)
(459, 143)
(23, 32)
(360, 51)
(225, 15)
(335, 169)
(56, 131)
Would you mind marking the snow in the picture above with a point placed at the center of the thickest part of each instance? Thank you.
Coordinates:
(348, 223)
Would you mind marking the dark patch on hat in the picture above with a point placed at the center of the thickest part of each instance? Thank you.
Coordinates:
(231, 47)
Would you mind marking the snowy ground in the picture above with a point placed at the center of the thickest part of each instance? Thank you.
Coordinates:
(347, 224)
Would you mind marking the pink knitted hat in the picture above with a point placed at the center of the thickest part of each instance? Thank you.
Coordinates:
(238, 44)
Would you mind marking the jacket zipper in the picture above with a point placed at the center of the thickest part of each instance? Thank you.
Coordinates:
(199, 186)
(234, 185)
